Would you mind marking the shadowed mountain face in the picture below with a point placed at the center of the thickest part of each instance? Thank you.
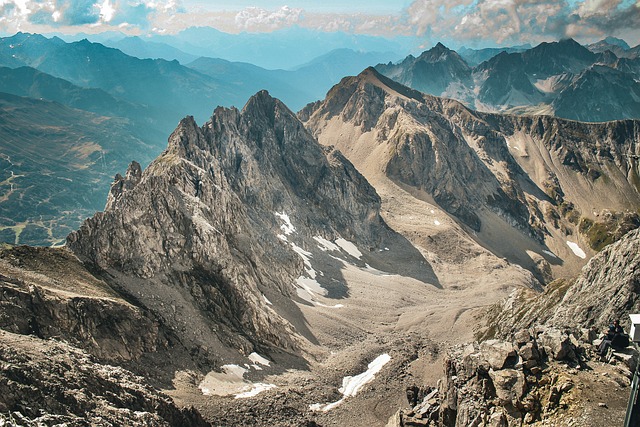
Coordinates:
(563, 78)
(541, 176)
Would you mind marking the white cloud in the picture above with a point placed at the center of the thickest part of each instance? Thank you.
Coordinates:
(258, 19)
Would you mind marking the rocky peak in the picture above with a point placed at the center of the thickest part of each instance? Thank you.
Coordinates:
(121, 185)
(196, 236)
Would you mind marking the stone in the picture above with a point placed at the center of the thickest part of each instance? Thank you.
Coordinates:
(529, 352)
(559, 344)
(510, 385)
(499, 354)
(522, 337)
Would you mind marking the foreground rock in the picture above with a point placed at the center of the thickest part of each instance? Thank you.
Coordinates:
(543, 377)
(47, 382)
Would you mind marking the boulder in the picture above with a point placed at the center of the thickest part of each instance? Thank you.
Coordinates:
(510, 385)
(558, 343)
(499, 354)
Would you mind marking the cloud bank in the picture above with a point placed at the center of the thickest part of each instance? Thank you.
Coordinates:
(470, 22)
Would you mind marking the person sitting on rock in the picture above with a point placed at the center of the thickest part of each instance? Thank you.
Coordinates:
(615, 338)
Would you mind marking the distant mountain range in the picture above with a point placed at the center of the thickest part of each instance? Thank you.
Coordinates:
(562, 78)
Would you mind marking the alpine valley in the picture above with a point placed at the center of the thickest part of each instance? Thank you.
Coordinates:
(434, 242)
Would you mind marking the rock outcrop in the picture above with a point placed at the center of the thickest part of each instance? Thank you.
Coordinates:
(606, 289)
(48, 382)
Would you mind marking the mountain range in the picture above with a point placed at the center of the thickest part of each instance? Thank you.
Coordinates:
(148, 96)
(382, 257)
(552, 78)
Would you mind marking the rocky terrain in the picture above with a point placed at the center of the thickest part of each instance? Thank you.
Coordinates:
(253, 274)
(532, 178)
(543, 368)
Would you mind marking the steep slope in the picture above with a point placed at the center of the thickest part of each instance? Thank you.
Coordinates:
(521, 184)
(600, 94)
(606, 289)
(202, 228)
(505, 83)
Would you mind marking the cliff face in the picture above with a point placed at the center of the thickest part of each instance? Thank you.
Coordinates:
(215, 233)
(552, 180)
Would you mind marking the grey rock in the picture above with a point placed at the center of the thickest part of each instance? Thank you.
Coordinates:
(510, 385)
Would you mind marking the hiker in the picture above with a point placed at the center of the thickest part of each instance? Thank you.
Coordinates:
(615, 338)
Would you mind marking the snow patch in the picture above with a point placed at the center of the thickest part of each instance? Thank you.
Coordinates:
(436, 222)
(349, 248)
(256, 358)
(325, 245)
(352, 385)
(257, 389)
(551, 254)
(267, 300)
(576, 250)
(287, 228)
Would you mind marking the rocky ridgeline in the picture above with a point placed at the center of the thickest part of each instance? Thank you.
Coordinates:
(605, 290)
(51, 383)
(542, 377)
(194, 237)
(550, 179)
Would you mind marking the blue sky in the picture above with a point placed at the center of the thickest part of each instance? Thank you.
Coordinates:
(473, 23)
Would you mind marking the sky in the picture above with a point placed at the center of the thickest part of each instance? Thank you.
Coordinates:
(475, 23)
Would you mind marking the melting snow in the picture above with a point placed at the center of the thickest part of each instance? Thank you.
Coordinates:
(256, 358)
(352, 385)
(349, 248)
(550, 253)
(231, 381)
(257, 389)
(287, 228)
(576, 249)
(326, 245)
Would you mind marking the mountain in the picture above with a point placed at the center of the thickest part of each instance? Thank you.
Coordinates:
(550, 59)
(295, 88)
(166, 88)
(547, 79)
(474, 57)
(59, 177)
(618, 46)
(201, 229)
(439, 71)
(599, 94)
(533, 178)
(140, 48)
(507, 83)
(29, 82)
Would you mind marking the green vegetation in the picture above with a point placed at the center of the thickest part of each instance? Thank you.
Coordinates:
(613, 226)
